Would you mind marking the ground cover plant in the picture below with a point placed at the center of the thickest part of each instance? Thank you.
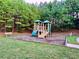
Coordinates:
(72, 39)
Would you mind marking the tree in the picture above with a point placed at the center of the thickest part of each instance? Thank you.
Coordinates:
(23, 14)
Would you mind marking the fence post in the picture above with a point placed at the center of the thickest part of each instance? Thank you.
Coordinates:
(65, 40)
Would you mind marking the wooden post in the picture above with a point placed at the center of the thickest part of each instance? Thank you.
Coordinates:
(34, 26)
(50, 30)
(43, 27)
(38, 29)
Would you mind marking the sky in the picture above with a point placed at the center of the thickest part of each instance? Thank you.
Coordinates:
(38, 1)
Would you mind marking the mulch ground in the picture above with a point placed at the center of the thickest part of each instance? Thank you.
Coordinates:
(57, 38)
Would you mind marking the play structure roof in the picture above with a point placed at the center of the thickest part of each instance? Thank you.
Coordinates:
(37, 21)
(46, 21)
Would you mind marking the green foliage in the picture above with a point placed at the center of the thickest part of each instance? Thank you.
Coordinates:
(72, 39)
(20, 15)
(60, 13)
(19, 11)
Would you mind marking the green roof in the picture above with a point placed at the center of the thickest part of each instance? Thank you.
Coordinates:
(37, 21)
(46, 21)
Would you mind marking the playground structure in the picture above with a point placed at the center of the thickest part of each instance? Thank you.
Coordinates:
(42, 29)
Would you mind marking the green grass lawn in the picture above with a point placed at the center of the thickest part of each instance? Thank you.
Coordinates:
(14, 49)
(72, 39)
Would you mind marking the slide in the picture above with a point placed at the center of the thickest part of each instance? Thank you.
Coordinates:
(43, 35)
(34, 33)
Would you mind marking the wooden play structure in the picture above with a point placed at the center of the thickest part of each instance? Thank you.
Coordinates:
(42, 29)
